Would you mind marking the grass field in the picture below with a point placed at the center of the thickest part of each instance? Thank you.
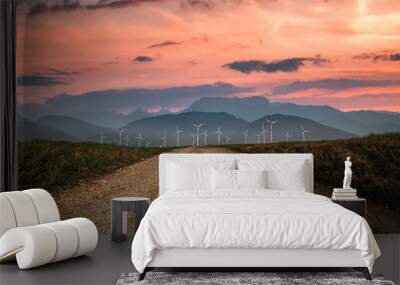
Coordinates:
(57, 165)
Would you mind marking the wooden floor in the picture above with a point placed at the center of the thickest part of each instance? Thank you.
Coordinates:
(110, 260)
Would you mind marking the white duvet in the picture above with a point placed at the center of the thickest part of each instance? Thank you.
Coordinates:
(250, 219)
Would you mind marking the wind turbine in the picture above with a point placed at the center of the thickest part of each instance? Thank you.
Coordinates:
(219, 134)
(178, 132)
(120, 132)
(245, 134)
(139, 138)
(227, 139)
(205, 134)
(287, 136)
(127, 140)
(102, 137)
(271, 123)
(148, 144)
(303, 134)
(198, 126)
(259, 137)
(263, 132)
(164, 139)
(193, 139)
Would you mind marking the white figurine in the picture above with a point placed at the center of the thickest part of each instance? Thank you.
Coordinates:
(347, 174)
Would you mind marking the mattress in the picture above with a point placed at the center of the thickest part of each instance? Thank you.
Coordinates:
(251, 219)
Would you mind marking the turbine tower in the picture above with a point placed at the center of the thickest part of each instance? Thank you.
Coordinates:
(259, 137)
(227, 139)
(205, 134)
(271, 123)
(178, 132)
(287, 136)
(102, 137)
(197, 126)
(219, 134)
(245, 134)
(263, 132)
(164, 139)
(120, 132)
(193, 139)
(303, 134)
(139, 138)
(148, 144)
(127, 139)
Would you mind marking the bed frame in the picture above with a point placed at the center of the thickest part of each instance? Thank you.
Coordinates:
(242, 259)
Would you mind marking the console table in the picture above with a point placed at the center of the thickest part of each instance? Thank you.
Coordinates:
(120, 207)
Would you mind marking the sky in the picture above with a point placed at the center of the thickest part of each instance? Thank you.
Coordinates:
(344, 54)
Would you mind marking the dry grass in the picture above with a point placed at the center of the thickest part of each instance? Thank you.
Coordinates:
(59, 165)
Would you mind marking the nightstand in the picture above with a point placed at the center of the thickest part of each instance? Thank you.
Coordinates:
(120, 208)
(358, 205)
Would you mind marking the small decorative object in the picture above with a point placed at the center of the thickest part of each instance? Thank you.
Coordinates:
(347, 174)
(347, 192)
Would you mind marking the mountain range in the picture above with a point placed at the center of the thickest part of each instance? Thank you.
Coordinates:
(105, 118)
(152, 129)
(76, 128)
(252, 108)
(293, 126)
(233, 115)
(30, 130)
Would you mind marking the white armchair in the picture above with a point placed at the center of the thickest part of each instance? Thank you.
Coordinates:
(31, 230)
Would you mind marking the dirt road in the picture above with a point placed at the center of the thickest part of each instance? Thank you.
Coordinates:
(93, 199)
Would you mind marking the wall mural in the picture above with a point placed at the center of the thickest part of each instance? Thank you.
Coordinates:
(104, 86)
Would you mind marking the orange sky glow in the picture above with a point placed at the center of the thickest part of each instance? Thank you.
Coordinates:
(355, 40)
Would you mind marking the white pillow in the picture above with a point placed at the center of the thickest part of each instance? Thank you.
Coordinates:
(194, 174)
(181, 177)
(223, 179)
(282, 174)
(251, 178)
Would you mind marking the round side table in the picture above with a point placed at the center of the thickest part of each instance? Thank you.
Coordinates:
(120, 207)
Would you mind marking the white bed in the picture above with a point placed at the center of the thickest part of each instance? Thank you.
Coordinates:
(249, 227)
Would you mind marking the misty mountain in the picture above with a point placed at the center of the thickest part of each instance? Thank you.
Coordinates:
(293, 125)
(365, 122)
(249, 109)
(346, 123)
(153, 128)
(252, 108)
(140, 114)
(108, 119)
(377, 122)
(30, 130)
(78, 129)
(145, 98)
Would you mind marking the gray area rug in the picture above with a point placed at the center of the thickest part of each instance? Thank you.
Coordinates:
(228, 278)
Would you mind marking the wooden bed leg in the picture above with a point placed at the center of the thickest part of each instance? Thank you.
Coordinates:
(143, 274)
(364, 271)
